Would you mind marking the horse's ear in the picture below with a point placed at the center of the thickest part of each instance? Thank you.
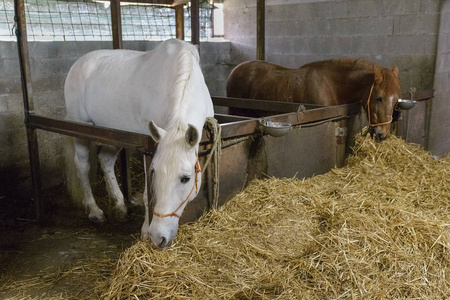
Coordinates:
(191, 135)
(156, 132)
(378, 74)
(395, 71)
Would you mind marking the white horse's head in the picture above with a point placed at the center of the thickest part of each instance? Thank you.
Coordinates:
(176, 179)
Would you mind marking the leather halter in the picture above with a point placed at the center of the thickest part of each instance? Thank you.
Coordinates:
(368, 111)
(174, 213)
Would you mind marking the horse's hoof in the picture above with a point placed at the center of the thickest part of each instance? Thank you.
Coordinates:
(120, 215)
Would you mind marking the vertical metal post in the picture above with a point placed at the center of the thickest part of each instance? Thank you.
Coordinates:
(195, 22)
(260, 30)
(24, 59)
(179, 21)
(116, 23)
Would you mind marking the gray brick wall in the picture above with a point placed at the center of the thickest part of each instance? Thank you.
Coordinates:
(50, 62)
(403, 33)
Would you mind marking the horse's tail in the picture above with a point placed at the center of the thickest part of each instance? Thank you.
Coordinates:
(73, 184)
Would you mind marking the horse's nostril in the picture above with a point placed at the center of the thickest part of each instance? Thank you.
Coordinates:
(163, 242)
(379, 137)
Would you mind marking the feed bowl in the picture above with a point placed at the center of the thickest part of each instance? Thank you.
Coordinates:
(406, 104)
(276, 129)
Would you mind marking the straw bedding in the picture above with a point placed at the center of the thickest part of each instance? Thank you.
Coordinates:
(377, 228)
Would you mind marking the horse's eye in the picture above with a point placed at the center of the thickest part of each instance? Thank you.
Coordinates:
(380, 99)
(185, 179)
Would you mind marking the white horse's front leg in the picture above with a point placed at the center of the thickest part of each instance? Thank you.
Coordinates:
(107, 158)
(81, 161)
(145, 235)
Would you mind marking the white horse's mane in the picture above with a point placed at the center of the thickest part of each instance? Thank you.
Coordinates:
(174, 145)
(183, 67)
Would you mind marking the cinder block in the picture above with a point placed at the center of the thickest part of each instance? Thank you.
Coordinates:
(368, 45)
(8, 50)
(365, 8)
(430, 6)
(3, 103)
(400, 7)
(331, 9)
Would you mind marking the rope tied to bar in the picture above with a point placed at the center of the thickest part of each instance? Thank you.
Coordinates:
(216, 150)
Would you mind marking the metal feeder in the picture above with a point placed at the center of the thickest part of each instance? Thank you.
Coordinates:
(275, 129)
(406, 104)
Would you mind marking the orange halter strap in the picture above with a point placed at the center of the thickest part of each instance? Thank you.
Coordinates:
(174, 213)
(368, 111)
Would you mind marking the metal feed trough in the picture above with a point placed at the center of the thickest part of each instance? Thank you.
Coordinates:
(313, 144)
(247, 151)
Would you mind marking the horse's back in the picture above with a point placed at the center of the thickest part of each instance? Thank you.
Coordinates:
(327, 82)
(265, 81)
(122, 89)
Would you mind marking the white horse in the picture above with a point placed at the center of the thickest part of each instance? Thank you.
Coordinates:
(160, 92)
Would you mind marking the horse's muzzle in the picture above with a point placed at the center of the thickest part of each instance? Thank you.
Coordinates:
(377, 134)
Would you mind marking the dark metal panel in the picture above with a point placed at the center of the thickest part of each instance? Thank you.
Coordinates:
(232, 177)
(302, 152)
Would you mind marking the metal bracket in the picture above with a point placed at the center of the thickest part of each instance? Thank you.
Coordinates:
(341, 131)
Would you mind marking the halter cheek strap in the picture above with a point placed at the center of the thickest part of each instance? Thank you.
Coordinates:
(174, 213)
(368, 111)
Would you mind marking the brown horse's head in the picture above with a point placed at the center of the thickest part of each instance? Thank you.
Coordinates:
(383, 97)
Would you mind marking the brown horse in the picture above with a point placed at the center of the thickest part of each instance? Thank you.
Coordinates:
(328, 82)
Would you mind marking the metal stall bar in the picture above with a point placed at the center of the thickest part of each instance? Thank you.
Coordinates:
(251, 126)
(103, 135)
(33, 147)
(268, 105)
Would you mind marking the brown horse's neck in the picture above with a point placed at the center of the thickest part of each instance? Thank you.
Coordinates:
(356, 78)
(338, 81)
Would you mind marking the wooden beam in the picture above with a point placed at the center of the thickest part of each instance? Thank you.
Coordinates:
(116, 23)
(260, 30)
(195, 22)
(179, 21)
(172, 3)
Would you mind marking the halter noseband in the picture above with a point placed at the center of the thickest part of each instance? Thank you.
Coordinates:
(368, 111)
(174, 213)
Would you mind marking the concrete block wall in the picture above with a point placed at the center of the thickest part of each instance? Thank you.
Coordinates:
(49, 64)
(402, 33)
(439, 141)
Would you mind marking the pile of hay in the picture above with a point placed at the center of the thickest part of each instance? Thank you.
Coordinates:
(378, 228)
